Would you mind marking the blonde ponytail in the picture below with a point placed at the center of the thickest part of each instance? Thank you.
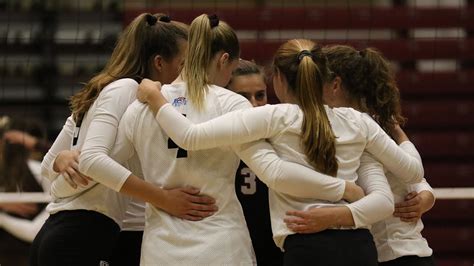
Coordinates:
(199, 57)
(305, 69)
(205, 41)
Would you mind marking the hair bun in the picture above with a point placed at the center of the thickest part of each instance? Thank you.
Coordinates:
(150, 19)
(214, 20)
(165, 18)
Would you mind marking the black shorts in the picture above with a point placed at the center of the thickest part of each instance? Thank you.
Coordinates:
(331, 248)
(77, 237)
(128, 249)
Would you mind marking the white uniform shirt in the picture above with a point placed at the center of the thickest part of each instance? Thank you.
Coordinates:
(222, 238)
(281, 125)
(98, 130)
(395, 238)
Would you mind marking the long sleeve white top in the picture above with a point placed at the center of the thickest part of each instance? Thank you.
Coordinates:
(281, 125)
(168, 240)
(282, 175)
(98, 129)
(395, 238)
(221, 239)
(26, 229)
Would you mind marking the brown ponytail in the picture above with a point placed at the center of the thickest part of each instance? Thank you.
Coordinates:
(305, 68)
(368, 79)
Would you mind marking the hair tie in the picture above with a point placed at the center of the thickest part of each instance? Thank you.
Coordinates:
(150, 19)
(304, 53)
(165, 18)
(214, 20)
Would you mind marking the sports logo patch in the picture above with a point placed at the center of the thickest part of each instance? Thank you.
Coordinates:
(179, 101)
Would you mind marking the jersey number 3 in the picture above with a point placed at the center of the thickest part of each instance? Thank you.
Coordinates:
(250, 184)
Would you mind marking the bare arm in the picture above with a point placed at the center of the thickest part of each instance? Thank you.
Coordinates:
(185, 203)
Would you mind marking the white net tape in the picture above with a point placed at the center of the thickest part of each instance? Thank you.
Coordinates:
(24, 197)
(454, 193)
(440, 193)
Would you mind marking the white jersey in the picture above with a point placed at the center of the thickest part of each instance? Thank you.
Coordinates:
(224, 236)
(281, 125)
(395, 238)
(221, 239)
(98, 129)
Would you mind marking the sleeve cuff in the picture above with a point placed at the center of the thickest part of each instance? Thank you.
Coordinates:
(122, 180)
(167, 105)
(357, 222)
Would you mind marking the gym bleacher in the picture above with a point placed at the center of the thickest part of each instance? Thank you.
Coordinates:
(47, 48)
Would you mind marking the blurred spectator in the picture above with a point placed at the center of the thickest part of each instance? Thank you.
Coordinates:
(19, 172)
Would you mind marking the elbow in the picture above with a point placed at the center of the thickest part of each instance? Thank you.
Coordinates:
(47, 172)
(418, 176)
(30, 236)
(387, 205)
(421, 173)
(44, 170)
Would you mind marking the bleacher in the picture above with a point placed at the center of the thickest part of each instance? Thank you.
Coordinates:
(431, 46)
(439, 103)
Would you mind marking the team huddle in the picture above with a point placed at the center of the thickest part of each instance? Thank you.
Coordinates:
(172, 156)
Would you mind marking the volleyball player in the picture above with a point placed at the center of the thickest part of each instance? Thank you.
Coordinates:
(223, 237)
(365, 82)
(168, 240)
(83, 228)
(300, 72)
(248, 80)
